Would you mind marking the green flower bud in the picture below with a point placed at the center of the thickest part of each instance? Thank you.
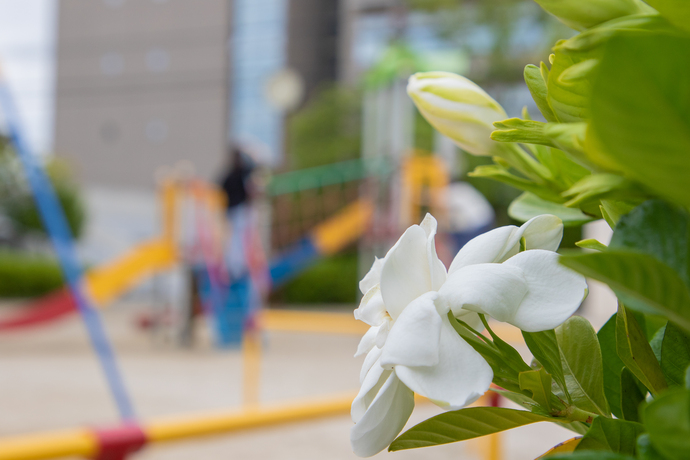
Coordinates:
(583, 14)
(457, 108)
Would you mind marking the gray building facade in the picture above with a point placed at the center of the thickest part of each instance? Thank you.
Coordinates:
(141, 84)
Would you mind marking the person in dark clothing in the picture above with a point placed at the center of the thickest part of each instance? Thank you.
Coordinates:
(237, 186)
(236, 183)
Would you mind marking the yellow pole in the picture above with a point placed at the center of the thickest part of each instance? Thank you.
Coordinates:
(83, 442)
(251, 356)
(78, 442)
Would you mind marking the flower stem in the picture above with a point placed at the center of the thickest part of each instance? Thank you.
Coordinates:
(575, 414)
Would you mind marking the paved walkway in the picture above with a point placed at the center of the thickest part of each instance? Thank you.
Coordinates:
(49, 379)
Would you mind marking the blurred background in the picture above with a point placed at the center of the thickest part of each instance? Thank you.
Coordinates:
(260, 152)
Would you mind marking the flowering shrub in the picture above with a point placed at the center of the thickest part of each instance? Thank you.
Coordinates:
(615, 145)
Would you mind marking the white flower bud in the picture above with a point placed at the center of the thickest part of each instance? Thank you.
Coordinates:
(457, 108)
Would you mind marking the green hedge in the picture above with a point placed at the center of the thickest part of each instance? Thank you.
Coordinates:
(28, 275)
(331, 280)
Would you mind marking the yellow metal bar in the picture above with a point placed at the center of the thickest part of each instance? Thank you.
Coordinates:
(68, 443)
(203, 425)
(82, 443)
(251, 361)
(344, 228)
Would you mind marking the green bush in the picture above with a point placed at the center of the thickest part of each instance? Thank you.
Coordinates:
(331, 280)
(17, 202)
(28, 275)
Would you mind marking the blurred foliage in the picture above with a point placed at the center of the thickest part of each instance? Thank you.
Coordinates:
(458, 21)
(17, 203)
(331, 280)
(327, 129)
(28, 275)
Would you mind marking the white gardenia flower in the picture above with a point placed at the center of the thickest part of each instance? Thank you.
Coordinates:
(412, 347)
(457, 108)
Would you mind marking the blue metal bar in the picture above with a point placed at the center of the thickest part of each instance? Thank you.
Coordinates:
(61, 237)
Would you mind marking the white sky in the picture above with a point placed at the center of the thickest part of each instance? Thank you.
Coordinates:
(27, 43)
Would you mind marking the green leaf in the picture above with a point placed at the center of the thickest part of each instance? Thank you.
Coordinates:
(611, 435)
(590, 455)
(639, 280)
(675, 355)
(613, 210)
(582, 365)
(583, 14)
(506, 370)
(597, 186)
(537, 87)
(667, 419)
(538, 382)
(464, 424)
(568, 100)
(591, 243)
(642, 124)
(635, 352)
(612, 365)
(660, 230)
(645, 449)
(544, 347)
(523, 131)
(528, 205)
(676, 11)
(501, 174)
(631, 396)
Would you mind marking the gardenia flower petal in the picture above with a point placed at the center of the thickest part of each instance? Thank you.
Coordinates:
(384, 418)
(493, 289)
(405, 273)
(371, 359)
(370, 385)
(373, 276)
(437, 270)
(414, 338)
(368, 341)
(499, 244)
(459, 378)
(371, 309)
(553, 291)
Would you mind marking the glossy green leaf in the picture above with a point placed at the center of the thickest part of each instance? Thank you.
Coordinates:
(634, 350)
(642, 123)
(538, 383)
(591, 455)
(568, 100)
(631, 396)
(528, 205)
(667, 419)
(506, 371)
(660, 230)
(544, 347)
(675, 355)
(645, 449)
(612, 365)
(537, 87)
(501, 174)
(583, 14)
(611, 435)
(463, 424)
(582, 365)
(592, 244)
(599, 186)
(676, 11)
(640, 281)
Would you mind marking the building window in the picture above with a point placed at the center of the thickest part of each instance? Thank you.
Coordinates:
(112, 64)
(157, 60)
(156, 130)
(114, 3)
(110, 132)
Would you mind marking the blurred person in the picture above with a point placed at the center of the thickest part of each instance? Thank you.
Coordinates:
(238, 186)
